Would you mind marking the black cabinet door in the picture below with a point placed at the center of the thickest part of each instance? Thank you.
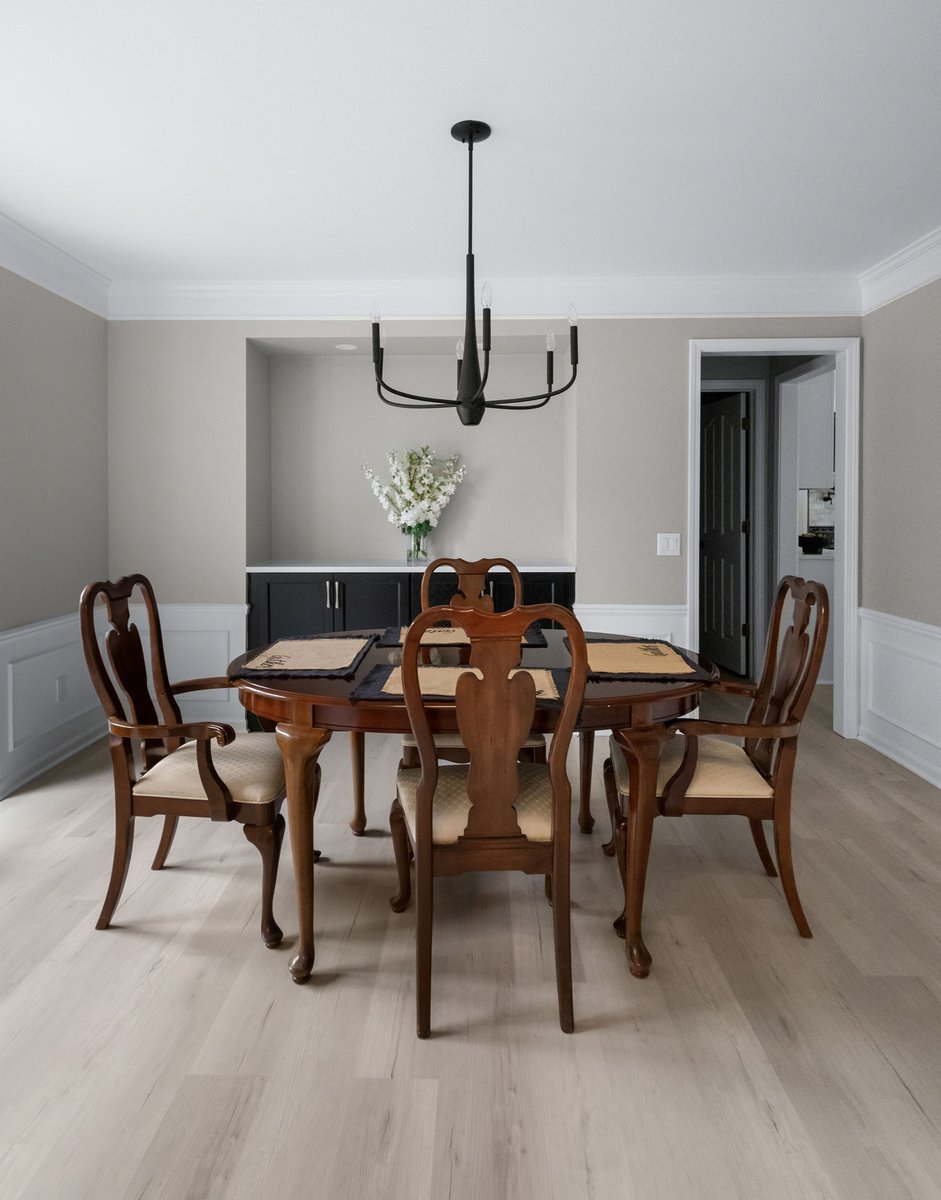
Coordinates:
(288, 605)
(370, 600)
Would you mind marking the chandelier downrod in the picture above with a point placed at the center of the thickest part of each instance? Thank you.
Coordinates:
(470, 402)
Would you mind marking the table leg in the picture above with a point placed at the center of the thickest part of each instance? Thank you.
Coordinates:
(586, 751)
(643, 747)
(358, 761)
(300, 747)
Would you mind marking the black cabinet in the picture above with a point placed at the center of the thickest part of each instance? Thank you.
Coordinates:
(285, 604)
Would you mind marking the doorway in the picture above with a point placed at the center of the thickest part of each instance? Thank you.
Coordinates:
(844, 596)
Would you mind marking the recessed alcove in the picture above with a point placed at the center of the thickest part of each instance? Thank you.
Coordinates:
(314, 420)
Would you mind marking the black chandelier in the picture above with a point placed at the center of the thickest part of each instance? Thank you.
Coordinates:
(470, 402)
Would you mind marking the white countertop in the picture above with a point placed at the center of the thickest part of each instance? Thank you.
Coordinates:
(332, 566)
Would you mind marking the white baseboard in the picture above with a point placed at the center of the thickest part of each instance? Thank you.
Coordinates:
(670, 622)
(900, 691)
(48, 707)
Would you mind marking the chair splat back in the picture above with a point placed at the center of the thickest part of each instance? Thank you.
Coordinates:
(127, 657)
(792, 662)
(471, 582)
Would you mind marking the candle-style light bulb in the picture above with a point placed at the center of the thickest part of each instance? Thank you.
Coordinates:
(573, 336)
(486, 296)
(550, 355)
(375, 313)
(459, 348)
(573, 315)
(550, 342)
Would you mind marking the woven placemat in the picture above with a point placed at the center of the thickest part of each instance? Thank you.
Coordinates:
(636, 660)
(335, 656)
(451, 635)
(384, 682)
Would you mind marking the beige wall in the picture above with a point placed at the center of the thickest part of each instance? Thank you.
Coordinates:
(633, 413)
(327, 422)
(901, 458)
(53, 452)
(178, 400)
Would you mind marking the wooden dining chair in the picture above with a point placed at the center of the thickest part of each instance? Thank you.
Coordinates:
(164, 766)
(702, 771)
(494, 813)
(470, 592)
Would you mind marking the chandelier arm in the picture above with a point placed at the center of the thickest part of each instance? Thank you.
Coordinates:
(524, 401)
(426, 401)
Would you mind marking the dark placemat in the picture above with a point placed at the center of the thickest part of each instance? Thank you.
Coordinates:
(696, 674)
(393, 636)
(288, 672)
(370, 688)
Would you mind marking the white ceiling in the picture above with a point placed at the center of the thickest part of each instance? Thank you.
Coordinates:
(300, 142)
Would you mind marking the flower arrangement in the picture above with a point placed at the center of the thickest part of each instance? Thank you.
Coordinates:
(420, 486)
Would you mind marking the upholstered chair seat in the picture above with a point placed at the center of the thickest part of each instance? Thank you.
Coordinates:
(451, 802)
(251, 768)
(722, 769)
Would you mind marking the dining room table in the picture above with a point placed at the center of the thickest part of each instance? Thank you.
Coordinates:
(294, 687)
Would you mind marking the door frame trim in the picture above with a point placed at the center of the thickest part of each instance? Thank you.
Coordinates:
(845, 600)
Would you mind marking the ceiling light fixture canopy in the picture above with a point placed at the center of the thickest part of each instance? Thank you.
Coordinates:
(470, 402)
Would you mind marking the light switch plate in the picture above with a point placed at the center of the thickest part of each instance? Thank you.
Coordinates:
(668, 543)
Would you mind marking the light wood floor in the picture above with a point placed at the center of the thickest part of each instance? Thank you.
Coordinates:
(172, 1058)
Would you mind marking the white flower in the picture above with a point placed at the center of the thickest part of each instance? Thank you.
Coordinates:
(420, 486)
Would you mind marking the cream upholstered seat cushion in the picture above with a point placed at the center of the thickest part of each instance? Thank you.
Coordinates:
(722, 769)
(452, 741)
(452, 804)
(251, 767)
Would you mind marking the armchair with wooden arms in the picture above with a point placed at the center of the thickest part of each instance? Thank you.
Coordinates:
(494, 813)
(703, 771)
(164, 766)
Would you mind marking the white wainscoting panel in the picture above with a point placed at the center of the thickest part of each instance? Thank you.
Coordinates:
(669, 622)
(900, 692)
(48, 707)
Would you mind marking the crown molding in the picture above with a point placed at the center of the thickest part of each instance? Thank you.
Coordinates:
(30, 256)
(908, 269)
(706, 296)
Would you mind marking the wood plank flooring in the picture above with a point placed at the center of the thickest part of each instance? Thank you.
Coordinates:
(172, 1058)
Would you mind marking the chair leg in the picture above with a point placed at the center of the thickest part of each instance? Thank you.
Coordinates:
(614, 805)
(170, 823)
(403, 857)
(586, 753)
(782, 847)
(267, 841)
(123, 845)
(761, 845)
(562, 937)
(424, 902)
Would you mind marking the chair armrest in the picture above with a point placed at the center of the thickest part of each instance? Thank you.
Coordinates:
(199, 731)
(693, 728)
(734, 688)
(202, 732)
(201, 685)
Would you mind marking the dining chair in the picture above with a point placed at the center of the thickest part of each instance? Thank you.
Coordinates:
(472, 592)
(493, 813)
(163, 766)
(702, 771)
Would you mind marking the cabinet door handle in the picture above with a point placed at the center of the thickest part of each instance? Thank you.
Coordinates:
(327, 586)
(490, 586)
(336, 594)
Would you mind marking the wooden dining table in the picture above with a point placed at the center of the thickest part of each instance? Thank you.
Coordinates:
(305, 711)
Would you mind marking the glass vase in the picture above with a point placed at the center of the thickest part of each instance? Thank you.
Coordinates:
(416, 550)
